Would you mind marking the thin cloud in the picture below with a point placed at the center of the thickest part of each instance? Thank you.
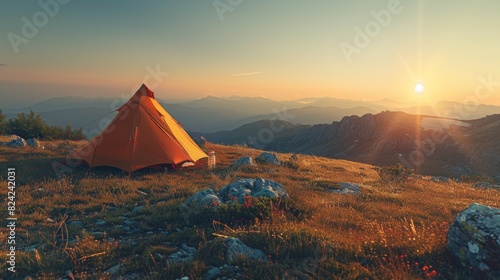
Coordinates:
(247, 74)
(3, 65)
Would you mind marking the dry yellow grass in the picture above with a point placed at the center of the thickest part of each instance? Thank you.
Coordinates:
(391, 230)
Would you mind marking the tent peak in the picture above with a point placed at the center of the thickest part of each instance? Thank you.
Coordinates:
(149, 92)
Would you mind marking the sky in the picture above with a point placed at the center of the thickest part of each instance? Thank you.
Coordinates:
(281, 50)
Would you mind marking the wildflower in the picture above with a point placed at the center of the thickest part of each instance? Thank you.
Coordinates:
(425, 268)
(248, 202)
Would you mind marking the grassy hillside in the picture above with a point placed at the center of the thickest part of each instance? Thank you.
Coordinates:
(76, 222)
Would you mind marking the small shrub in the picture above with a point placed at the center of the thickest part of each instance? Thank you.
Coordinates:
(394, 173)
(476, 179)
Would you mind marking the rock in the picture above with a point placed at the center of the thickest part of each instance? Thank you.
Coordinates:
(34, 143)
(137, 209)
(253, 187)
(69, 275)
(485, 185)
(439, 179)
(212, 274)
(100, 222)
(294, 157)
(18, 143)
(200, 141)
(114, 269)
(185, 254)
(236, 248)
(76, 224)
(128, 222)
(269, 158)
(474, 238)
(97, 234)
(184, 278)
(201, 200)
(35, 247)
(347, 188)
(242, 162)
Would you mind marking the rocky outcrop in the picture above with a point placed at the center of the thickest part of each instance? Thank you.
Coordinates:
(252, 187)
(474, 238)
(232, 193)
(18, 143)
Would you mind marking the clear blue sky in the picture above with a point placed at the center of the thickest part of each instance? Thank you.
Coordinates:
(277, 49)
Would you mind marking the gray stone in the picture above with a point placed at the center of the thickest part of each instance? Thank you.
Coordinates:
(242, 162)
(97, 234)
(35, 247)
(137, 209)
(128, 222)
(76, 224)
(252, 187)
(236, 248)
(185, 254)
(100, 223)
(269, 158)
(474, 238)
(212, 274)
(18, 143)
(485, 185)
(201, 141)
(114, 270)
(69, 275)
(201, 200)
(348, 188)
(439, 179)
(34, 143)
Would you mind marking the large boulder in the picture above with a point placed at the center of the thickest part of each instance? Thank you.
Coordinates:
(269, 158)
(252, 187)
(18, 143)
(236, 248)
(474, 238)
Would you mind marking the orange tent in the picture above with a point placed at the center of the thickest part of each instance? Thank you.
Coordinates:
(141, 134)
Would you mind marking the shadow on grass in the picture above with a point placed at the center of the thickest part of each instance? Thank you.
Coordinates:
(29, 170)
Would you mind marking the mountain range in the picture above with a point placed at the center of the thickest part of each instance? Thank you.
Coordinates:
(429, 145)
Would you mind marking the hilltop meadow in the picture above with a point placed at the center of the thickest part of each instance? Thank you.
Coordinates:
(103, 223)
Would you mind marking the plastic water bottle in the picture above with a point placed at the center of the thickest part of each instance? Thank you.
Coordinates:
(211, 160)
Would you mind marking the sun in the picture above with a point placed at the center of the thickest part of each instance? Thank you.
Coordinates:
(419, 88)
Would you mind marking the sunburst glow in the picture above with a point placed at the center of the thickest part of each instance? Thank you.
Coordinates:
(419, 88)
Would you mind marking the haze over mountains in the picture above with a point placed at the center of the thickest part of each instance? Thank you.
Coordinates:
(212, 114)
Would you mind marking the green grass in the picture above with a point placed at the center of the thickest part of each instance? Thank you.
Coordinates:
(394, 229)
